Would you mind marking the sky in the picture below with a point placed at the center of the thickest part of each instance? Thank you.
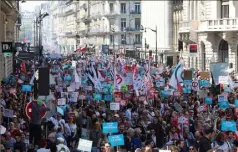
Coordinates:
(30, 5)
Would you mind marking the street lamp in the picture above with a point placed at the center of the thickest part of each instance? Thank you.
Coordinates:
(38, 21)
(155, 31)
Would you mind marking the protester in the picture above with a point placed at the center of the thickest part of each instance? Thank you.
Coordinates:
(144, 107)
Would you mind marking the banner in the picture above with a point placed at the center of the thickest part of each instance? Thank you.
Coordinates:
(109, 127)
(116, 140)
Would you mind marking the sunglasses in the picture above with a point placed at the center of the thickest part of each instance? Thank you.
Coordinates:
(191, 148)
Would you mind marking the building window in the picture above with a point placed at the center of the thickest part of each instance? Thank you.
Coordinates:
(111, 39)
(224, 8)
(138, 39)
(111, 8)
(137, 7)
(123, 24)
(123, 8)
(123, 39)
(137, 23)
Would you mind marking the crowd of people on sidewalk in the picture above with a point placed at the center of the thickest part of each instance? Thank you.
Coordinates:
(116, 106)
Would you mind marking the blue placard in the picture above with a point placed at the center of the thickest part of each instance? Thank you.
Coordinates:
(204, 83)
(164, 93)
(108, 97)
(187, 82)
(60, 111)
(26, 88)
(223, 105)
(97, 96)
(187, 89)
(208, 100)
(228, 126)
(109, 127)
(236, 103)
(221, 98)
(116, 140)
(67, 78)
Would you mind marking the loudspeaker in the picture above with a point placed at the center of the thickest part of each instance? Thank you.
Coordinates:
(44, 82)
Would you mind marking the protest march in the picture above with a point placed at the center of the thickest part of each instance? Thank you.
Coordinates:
(118, 104)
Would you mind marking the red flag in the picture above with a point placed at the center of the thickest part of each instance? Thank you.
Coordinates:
(83, 49)
(78, 50)
(180, 89)
(23, 67)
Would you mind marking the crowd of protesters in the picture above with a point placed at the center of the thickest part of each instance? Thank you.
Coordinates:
(147, 126)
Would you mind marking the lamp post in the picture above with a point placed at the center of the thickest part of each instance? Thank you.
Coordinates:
(156, 32)
(39, 21)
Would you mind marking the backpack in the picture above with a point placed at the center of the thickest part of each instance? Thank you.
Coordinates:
(62, 149)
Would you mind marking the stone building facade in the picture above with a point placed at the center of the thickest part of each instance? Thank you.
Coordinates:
(213, 26)
(9, 31)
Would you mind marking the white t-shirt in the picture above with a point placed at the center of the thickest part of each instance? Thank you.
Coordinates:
(43, 150)
(226, 147)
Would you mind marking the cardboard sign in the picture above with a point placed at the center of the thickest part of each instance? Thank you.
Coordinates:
(60, 111)
(188, 75)
(8, 113)
(183, 120)
(228, 126)
(109, 127)
(116, 140)
(97, 96)
(85, 145)
(223, 80)
(85, 133)
(114, 106)
(61, 102)
(26, 88)
(204, 75)
(224, 105)
(208, 100)
(178, 107)
(64, 94)
(221, 98)
(204, 84)
(202, 108)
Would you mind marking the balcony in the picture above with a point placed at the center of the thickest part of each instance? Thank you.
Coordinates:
(136, 12)
(133, 29)
(228, 24)
(111, 14)
(70, 34)
(137, 42)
